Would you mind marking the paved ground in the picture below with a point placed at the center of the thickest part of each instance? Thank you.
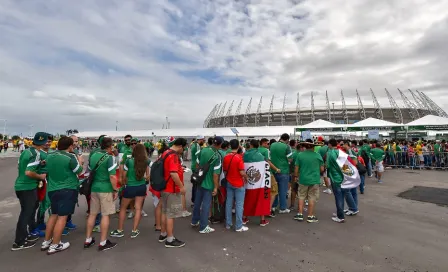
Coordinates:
(390, 234)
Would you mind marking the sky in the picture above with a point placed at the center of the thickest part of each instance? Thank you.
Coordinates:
(90, 65)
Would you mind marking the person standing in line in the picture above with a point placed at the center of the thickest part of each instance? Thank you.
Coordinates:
(195, 151)
(377, 154)
(364, 152)
(281, 156)
(26, 191)
(264, 150)
(336, 177)
(63, 168)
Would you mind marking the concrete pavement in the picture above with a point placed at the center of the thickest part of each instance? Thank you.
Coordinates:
(389, 234)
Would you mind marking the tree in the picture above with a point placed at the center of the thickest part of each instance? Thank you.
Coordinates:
(75, 131)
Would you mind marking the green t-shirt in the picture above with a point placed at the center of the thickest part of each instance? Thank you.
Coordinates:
(334, 171)
(437, 148)
(124, 148)
(29, 160)
(195, 151)
(265, 152)
(42, 169)
(366, 148)
(377, 154)
(129, 167)
(309, 163)
(101, 182)
(323, 151)
(126, 155)
(63, 169)
(215, 166)
(280, 153)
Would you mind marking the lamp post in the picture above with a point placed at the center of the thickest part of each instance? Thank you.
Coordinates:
(116, 125)
(334, 115)
(4, 127)
(31, 130)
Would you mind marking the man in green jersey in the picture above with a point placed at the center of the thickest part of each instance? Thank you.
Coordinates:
(377, 154)
(281, 156)
(26, 191)
(336, 177)
(104, 193)
(209, 187)
(63, 168)
(364, 152)
(437, 153)
(195, 151)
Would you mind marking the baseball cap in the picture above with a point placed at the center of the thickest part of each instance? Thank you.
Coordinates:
(218, 140)
(40, 138)
(200, 137)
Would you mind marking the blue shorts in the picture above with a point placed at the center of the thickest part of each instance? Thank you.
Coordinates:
(63, 201)
(134, 191)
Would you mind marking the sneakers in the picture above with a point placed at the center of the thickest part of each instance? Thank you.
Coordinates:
(337, 220)
(162, 238)
(117, 233)
(379, 182)
(46, 245)
(284, 211)
(328, 191)
(272, 215)
(312, 219)
(58, 248)
(194, 225)
(207, 230)
(32, 237)
(242, 229)
(144, 214)
(298, 217)
(264, 223)
(69, 225)
(25, 245)
(174, 244)
(65, 232)
(351, 213)
(96, 228)
(130, 215)
(245, 220)
(89, 244)
(135, 233)
(107, 246)
(186, 214)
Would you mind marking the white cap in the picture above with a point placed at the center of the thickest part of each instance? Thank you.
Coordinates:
(200, 137)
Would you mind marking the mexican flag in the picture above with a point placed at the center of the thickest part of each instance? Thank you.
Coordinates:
(258, 185)
(352, 178)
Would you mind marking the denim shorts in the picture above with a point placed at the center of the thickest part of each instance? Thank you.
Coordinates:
(134, 191)
(63, 201)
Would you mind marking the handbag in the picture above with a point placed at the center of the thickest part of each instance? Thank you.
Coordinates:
(85, 187)
(224, 181)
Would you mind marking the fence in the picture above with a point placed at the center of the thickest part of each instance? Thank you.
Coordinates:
(427, 160)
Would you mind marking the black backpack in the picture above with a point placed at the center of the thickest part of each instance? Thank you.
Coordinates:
(85, 188)
(364, 156)
(361, 169)
(199, 175)
(157, 178)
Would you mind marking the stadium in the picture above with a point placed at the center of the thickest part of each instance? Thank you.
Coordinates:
(417, 105)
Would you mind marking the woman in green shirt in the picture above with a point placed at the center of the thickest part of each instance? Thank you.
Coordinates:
(136, 176)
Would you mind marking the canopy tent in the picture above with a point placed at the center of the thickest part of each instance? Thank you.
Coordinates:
(374, 124)
(320, 125)
(429, 122)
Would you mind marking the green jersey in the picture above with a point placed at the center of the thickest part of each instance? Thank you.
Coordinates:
(215, 166)
(365, 148)
(29, 160)
(126, 155)
(42, 169)
(129, 167)
(280, 155)
(101, 182)
(195, 151)
(265, 152)
(377, 154)
(334, 171)
(437, 149)
(323, 150)
(309, 163)
(63, 169)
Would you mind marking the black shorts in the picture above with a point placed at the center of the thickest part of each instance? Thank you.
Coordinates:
(133, 191)
(63, 201)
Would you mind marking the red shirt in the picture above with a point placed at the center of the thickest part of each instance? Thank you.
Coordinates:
(172, 164)
(232, 165)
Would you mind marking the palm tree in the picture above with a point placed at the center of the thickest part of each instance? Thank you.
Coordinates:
(75, 131)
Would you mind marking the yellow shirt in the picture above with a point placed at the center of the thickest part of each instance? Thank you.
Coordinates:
(54, 144)
(418, 149)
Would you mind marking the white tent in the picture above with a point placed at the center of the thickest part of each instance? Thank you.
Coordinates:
(374, 124)
(429, 122)
(320, 125)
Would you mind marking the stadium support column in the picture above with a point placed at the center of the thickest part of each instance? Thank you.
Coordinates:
(411, 107)
(313, 118)
(283, 111)
(298, 119)
(237, 113)
(376, 104)
(344, 108)
(257, 114)
(229, 112)
(210, 115)
(395, 108)
(246, 114)
(439, 110)
(362, 111)
(221, 113)
(214, 122)
(419, 103)
(328, 106)
(427, 105)
(271, 108)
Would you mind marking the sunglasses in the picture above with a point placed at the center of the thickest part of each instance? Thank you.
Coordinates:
(133, 143)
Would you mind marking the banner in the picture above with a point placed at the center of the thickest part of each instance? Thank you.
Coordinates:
(352, 178)
(257, 200)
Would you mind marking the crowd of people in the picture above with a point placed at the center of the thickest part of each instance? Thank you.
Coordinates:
(232, 182)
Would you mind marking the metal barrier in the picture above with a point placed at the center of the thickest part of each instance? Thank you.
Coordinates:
(427, 160)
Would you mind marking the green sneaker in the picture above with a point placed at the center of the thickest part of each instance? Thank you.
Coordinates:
(298, 217)
(135, 233)
(312, 219)
(117, 233)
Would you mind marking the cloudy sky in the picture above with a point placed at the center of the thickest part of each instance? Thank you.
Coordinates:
(86, 64)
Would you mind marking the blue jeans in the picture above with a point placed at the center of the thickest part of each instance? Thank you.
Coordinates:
(204, 200)
(369, 168)
(363, 183)
(236, 194)
(351, 197)
(339, 200)
(282, 181)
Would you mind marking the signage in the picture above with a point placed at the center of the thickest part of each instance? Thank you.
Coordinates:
(306, 135)
(398, 128)
(319, 129)
(429, 127)
(373, 134)
(235, 131)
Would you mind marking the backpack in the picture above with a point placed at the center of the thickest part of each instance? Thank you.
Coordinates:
(85, 188)
(361, 168)
(200, 173)
(157, 177)
(364, 156)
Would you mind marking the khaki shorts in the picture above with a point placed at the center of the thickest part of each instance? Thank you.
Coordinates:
(172, 205)
(102, 203)
(274, 186)
(310, 192)
(379, 167)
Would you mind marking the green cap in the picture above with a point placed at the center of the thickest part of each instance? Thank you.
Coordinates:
(40, 138)
(134, 140)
